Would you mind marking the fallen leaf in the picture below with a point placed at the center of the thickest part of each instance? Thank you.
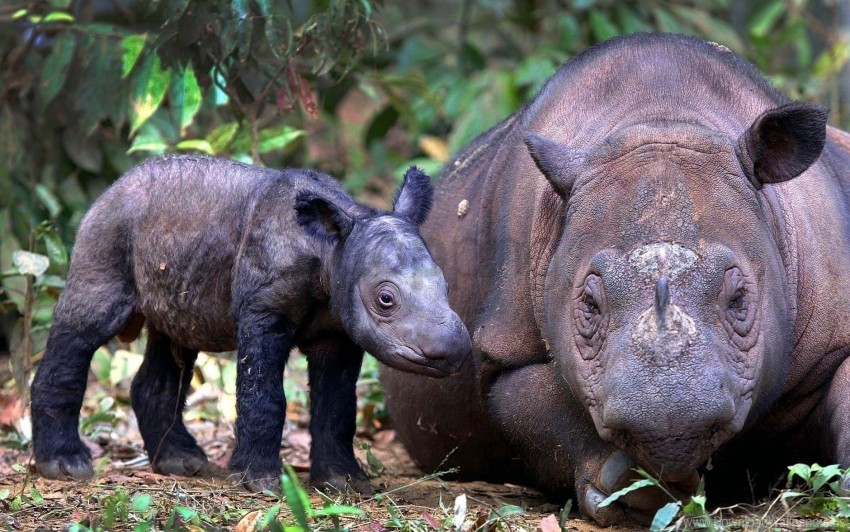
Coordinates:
(550, 524)
(249, 522)
(431, 521)
(11, 409)
(383, 438)
(460, 511)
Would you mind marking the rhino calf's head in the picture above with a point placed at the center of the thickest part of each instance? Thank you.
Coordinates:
(385, 288)
(666, 298)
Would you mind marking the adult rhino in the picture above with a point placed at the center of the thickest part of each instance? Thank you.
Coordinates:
(652, 257)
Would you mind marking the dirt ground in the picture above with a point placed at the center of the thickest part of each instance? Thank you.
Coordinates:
(417, 499)
(407, 498)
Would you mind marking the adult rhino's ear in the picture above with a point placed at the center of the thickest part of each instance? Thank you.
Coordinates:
(415, 196)
(782, 143)
(558, 163)
(321, 218)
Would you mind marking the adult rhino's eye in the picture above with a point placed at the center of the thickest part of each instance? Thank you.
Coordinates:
(590, 316)
(737, 307)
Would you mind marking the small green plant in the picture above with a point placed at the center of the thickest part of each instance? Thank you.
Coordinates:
(816, 491)
(693, 509)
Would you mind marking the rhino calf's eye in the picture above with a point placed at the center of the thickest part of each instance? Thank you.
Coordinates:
(386, 299)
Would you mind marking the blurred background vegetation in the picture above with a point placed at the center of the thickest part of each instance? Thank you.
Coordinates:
(356, 88)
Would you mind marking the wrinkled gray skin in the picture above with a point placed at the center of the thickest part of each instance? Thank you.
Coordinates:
(653, 266)
(216, 255)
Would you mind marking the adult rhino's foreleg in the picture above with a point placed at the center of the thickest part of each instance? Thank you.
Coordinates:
(834, 417)
(562, 451)
(333, 411)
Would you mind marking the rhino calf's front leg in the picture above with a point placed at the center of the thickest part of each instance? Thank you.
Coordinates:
(264, 342)
(333, 372)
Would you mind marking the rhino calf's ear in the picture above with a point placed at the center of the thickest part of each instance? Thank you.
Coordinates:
(415, 196)
(321, 218)
(782, 143)
(559, 164)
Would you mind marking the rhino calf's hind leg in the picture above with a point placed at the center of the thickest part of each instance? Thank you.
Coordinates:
(158, 395)
(333, 409)
(89, 313)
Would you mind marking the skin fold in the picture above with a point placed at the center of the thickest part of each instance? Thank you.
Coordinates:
(652, 267)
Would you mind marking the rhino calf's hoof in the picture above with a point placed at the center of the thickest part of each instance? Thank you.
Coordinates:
(186, 466)
(74, 467)
(343, 483)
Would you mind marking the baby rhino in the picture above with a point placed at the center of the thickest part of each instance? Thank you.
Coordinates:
(216, 255)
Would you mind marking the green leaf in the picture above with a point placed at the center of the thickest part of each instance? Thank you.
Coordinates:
(338, 509)
(800, 470)
(58, 16)
(509, 509)
(278, 138)
(630, 21)
(188, 95)
(826, 474)
(634, 486)
(195, 145)
(55, 69)
(221, 137)
(149, 139)
(296, 498)
(269, 517)
(564, 516)
(149, 91)
(48, 199)
(29, 263)
(55, 248)
(21, 13)
(711, 27)
(602, 27)
(142, 502)
(243, 21)
(766, 17)
(133, 46)
(664, 516)
(4, 494)
(696, 506)
(667, 22)
(278, 32)
(36, 496)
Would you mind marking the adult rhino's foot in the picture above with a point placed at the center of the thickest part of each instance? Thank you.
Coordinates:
(341, 483)
(68, 467)
(638, 506)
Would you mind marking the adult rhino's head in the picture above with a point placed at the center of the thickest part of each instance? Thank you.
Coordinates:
(385, 288)
(668, 305)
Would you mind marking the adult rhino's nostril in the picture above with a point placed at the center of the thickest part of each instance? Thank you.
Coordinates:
(662, 301)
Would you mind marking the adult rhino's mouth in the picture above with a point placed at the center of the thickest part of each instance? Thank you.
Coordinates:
(673, 457)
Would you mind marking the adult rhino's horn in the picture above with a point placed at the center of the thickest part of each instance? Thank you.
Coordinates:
(558, 163)
(782, 143)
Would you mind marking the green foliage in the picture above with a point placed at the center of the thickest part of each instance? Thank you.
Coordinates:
(816, 490)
